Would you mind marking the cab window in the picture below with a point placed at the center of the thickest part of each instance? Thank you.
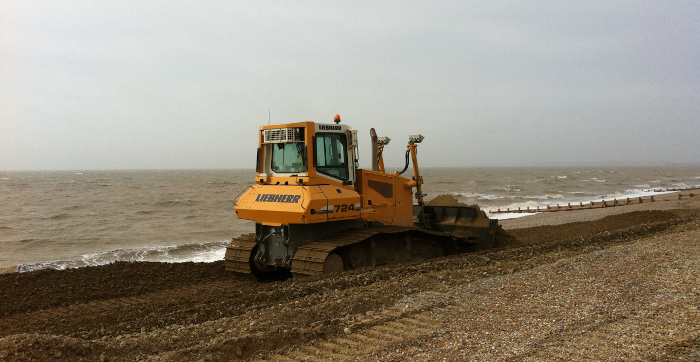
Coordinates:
(331, 155)
(288, 157)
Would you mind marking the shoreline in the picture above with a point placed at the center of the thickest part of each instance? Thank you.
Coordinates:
(579, 215)
(662, 202)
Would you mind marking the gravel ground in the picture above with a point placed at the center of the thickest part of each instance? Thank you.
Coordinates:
(630, 302)
(619, 287)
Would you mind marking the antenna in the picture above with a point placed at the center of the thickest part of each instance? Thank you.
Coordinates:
(268, 117)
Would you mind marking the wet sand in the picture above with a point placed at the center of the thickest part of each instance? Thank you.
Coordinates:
(608, 284)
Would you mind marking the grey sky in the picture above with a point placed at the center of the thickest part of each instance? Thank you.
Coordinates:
(171, 84)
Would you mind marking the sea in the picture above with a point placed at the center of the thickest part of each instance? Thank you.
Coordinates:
(71, 219)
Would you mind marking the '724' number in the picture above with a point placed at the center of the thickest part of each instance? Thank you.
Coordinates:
(344, 208)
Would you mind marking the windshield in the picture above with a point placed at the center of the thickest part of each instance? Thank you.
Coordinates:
(288, 157)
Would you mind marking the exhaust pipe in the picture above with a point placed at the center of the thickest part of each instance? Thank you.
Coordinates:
(375, 150)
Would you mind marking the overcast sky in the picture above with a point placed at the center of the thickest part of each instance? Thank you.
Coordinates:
(173, 84)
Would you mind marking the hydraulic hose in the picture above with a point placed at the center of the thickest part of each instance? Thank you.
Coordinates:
(408, 150)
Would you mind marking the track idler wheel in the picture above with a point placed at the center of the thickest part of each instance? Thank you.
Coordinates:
(333, 264)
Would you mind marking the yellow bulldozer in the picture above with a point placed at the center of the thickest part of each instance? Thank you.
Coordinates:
(317, 212)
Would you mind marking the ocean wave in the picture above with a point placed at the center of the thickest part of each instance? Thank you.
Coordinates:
(474, 195)
(510, 188)
(192, 252)
(465, 194)
(631, 193)
(614, 195)
(492, 197)
(544, 197)
(176, 202)
(594, 179)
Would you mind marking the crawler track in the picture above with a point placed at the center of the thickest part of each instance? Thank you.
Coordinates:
(238, 254)
(355, 248)
(311, 257)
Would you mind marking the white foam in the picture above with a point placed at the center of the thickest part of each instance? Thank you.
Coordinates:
(492, 197)
(193, 252)
(480, 196)
(465, 194)
(545, 197)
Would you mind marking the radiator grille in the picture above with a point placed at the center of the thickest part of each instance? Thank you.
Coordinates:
(281, 135)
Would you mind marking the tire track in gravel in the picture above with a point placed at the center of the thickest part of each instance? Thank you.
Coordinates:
(394, 326)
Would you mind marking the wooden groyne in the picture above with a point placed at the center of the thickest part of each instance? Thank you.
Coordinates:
(680, 195)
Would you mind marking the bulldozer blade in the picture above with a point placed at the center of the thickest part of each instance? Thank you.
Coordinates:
(468, 223)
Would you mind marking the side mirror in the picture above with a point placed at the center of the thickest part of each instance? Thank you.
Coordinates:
(257, 165)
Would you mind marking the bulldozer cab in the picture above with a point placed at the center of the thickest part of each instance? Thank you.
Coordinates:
(307, 153)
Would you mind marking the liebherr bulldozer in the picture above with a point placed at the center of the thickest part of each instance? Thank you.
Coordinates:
(317, 212)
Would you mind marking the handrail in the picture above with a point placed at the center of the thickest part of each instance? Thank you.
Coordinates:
(235, 202)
